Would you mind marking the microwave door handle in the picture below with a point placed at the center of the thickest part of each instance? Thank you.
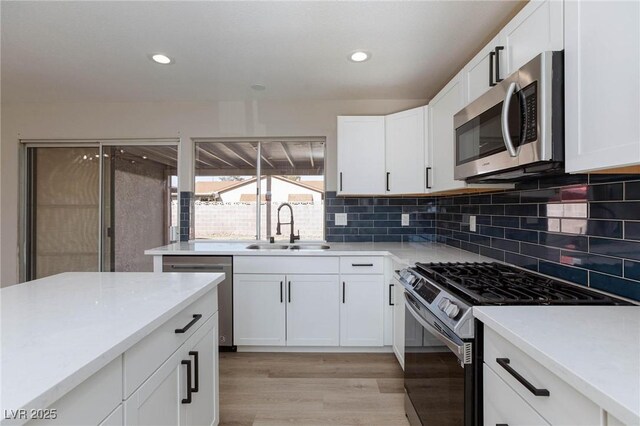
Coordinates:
(458, 350)
(506, 135)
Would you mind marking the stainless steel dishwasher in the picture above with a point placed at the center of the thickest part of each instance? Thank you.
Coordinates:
(211, 264)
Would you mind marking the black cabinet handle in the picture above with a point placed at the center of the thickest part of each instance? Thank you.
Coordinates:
(187, 400)
(504, 363)
(492, 55)
(390, 290)
(281, 297)
(340, 181)
(498, 49)
(361, 264)
(194, 354)
(388, 173)
(289, 291)
(501, 424)
(343, 291)
(184, 329)
(427, 177)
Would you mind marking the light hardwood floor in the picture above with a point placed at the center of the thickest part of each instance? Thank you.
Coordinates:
(310, 389)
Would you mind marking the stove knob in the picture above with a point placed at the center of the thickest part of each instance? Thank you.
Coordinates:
(444, 304)
(452, 310)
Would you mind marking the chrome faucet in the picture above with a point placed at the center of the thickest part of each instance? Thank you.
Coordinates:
(293, 237)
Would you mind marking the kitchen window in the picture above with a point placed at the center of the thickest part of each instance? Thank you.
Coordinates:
(240, 184)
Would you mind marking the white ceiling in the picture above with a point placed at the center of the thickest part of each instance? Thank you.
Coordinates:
(97, 50)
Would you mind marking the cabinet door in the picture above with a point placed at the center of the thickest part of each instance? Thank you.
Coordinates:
(537, 28)
(313, 310)
(158, 401)
(203, 409)
(602, 85)
(442, 108)
(404, 147)
(502, 405)
(361, 168)
(259, 309)
(398, 322)
(477, 72)
(361, 309)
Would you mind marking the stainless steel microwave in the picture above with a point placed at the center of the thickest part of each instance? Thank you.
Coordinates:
(516, 129)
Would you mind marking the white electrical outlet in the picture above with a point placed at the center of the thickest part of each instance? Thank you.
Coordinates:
(341, 219)
(472, 223)
(405, 219)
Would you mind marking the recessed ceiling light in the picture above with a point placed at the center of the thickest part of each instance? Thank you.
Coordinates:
(258, 87)
(161, 59)
(359, 56)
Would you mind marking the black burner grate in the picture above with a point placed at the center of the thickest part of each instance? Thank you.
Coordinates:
(497, 284)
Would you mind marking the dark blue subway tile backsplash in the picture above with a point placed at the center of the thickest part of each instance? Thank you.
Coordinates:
(581, 228)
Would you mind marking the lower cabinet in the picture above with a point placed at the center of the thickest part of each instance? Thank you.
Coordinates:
(259, 310)
(313, 310)
(361, 310)
(291, 310)
(502, 405)
(183, 390)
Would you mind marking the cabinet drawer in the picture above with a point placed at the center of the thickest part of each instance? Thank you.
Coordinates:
(564, 405)
(285, 265)
(145, 357)
(361, 265)
(91, 401)
(502, 405)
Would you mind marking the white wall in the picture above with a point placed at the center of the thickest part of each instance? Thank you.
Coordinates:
(161, 120)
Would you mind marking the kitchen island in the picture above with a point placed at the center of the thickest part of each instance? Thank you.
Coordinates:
(87, 348)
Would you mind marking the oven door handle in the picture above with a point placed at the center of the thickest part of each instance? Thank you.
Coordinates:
(506, 132)
(458, 350)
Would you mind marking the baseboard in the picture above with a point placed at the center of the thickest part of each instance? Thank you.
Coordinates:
(320, 349)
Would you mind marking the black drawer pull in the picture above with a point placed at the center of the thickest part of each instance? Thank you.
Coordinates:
(492, 55)
(390, 290)
(281, 299)
(343, 291)
(427, 177)
(187, 400)
(184, 329)
(504, 363)
(361, 264)
(388, 181)
(289, 291)
(498, 49)
(502, 424)
(194, 354)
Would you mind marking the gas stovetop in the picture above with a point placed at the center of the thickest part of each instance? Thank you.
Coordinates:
(498, 284)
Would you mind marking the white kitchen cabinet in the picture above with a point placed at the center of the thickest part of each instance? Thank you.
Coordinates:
(204, 408)
(442, 108)
(477, 72)
(503, 406)
(361, 310)
(164, 398)
(404, 152)
(259, 310)
(158, 401)
(537, 28)
(361, 155)
(602, 85)
(398, 322)
(313, 310)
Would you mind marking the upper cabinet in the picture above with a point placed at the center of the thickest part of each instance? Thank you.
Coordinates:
(537, 28)
(442, 108)
(480, 74)
(404, 148)
(602, 85)
(361, 151)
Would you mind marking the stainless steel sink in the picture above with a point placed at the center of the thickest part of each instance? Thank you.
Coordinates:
(310, 247)
(267, 247)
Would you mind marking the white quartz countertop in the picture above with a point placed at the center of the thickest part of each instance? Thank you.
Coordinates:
(596, 349)
(58, 331)
(404, 253)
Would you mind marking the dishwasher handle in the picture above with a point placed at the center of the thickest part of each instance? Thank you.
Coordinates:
(200, 267)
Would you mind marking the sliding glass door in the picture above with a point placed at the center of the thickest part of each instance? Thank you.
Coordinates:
(92, 208)
(63, 210)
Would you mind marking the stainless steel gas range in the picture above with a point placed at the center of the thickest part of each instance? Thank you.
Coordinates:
(443, 342)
